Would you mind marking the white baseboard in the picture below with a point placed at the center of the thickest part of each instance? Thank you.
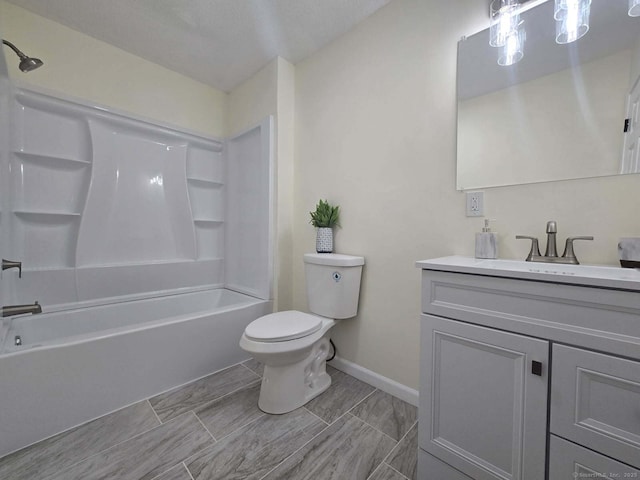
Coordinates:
(374, 379)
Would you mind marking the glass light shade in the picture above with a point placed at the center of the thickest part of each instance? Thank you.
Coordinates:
(634, 8)
(504, 20)
(513, 49)
(572, 19)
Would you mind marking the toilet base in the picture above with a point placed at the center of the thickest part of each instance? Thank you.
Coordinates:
(287, 387)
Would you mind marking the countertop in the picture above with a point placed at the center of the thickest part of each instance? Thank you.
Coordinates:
(588, 275)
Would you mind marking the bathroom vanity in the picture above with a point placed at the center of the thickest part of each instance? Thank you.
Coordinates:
(528, 371)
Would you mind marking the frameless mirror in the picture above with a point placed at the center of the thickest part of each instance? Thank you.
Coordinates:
(557, 114)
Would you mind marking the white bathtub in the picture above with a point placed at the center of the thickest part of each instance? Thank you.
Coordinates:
(77, 365)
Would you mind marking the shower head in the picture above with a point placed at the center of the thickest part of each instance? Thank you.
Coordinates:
(26, 63)
(29, 63)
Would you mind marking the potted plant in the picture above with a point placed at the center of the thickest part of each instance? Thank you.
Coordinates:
(324, 218)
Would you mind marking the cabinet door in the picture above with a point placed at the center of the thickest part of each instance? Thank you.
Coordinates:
(568, 461)
(482, 410)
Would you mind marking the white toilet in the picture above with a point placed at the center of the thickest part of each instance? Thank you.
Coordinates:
(294, 345)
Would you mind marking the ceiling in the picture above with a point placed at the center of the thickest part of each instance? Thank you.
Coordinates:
(218, 42)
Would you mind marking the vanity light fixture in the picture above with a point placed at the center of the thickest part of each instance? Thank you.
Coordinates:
(507, 31)
(572, 19)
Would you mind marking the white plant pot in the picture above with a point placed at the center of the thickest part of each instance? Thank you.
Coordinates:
(324, 240)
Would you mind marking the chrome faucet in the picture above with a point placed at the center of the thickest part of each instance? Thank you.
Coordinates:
(552, 230)
(551, 252)
(11, 310)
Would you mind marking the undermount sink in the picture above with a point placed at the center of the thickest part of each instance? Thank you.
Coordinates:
(595, 275)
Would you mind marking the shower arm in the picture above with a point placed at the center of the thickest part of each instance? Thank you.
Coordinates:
(14, 48)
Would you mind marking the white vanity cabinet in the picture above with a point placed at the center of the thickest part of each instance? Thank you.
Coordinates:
(528, 371)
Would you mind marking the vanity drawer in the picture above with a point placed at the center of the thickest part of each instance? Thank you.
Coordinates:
(568, 460)
(593, 318)
(595, 401)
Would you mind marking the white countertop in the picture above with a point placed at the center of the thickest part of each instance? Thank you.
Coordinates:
(589, 275)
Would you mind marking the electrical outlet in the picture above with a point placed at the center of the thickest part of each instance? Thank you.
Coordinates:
(475, 204)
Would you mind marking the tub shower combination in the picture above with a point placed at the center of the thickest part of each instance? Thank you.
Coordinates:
(148, 247)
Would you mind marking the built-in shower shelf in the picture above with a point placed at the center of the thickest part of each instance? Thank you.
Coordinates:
(35, 214)
(204, 182)
(48, 269)
(51, 159)
(207, 221)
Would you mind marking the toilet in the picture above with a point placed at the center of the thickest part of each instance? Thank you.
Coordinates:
(293, 345)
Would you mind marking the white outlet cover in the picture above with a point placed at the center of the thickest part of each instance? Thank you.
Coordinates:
(475, 204)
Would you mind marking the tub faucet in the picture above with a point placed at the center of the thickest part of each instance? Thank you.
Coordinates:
(11, 310)
(551, 252)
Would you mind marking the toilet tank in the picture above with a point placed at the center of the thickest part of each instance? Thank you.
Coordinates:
(333, 284)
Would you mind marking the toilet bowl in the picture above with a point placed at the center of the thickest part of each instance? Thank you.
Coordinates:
(294, 369)
(293, 345)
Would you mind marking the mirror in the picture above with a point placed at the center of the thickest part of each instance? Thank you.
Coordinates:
(557, 114)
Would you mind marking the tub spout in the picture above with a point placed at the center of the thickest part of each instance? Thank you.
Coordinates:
(11, 310)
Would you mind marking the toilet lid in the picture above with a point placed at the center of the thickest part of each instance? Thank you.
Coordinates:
(282, 326)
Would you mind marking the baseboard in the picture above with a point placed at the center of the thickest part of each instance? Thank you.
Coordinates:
(374, 379)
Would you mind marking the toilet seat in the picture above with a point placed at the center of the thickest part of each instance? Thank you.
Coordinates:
(283, 326)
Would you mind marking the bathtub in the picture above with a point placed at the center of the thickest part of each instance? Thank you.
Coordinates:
(76, 365)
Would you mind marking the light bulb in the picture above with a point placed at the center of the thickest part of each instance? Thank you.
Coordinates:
(513, 49)
(572, 19)
(504, 20)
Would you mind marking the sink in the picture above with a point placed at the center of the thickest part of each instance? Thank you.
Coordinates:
(595, 275)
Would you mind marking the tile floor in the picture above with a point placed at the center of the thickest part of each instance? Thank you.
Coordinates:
(212, 429)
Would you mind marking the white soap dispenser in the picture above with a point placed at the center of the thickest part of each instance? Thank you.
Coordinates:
(486, 242)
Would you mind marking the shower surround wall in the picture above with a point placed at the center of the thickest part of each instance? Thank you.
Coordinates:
(103, 205)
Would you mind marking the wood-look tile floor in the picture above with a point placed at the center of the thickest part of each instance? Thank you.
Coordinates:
(212, 429)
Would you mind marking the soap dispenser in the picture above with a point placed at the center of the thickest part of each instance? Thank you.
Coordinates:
(486, 242)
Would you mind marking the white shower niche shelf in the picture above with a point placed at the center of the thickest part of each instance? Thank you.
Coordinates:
(35, 214)
(45, 237)
(50, 159)
(204, 181)
(205, 165)
(116, 200)
(209, 238)
(207, 200)
(50, 129)
(42, 183)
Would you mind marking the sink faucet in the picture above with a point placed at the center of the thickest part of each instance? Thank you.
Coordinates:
(551, 252)
(552, 230)
(11, 310)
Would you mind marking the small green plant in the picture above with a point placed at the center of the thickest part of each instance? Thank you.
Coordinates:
(325, 215)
